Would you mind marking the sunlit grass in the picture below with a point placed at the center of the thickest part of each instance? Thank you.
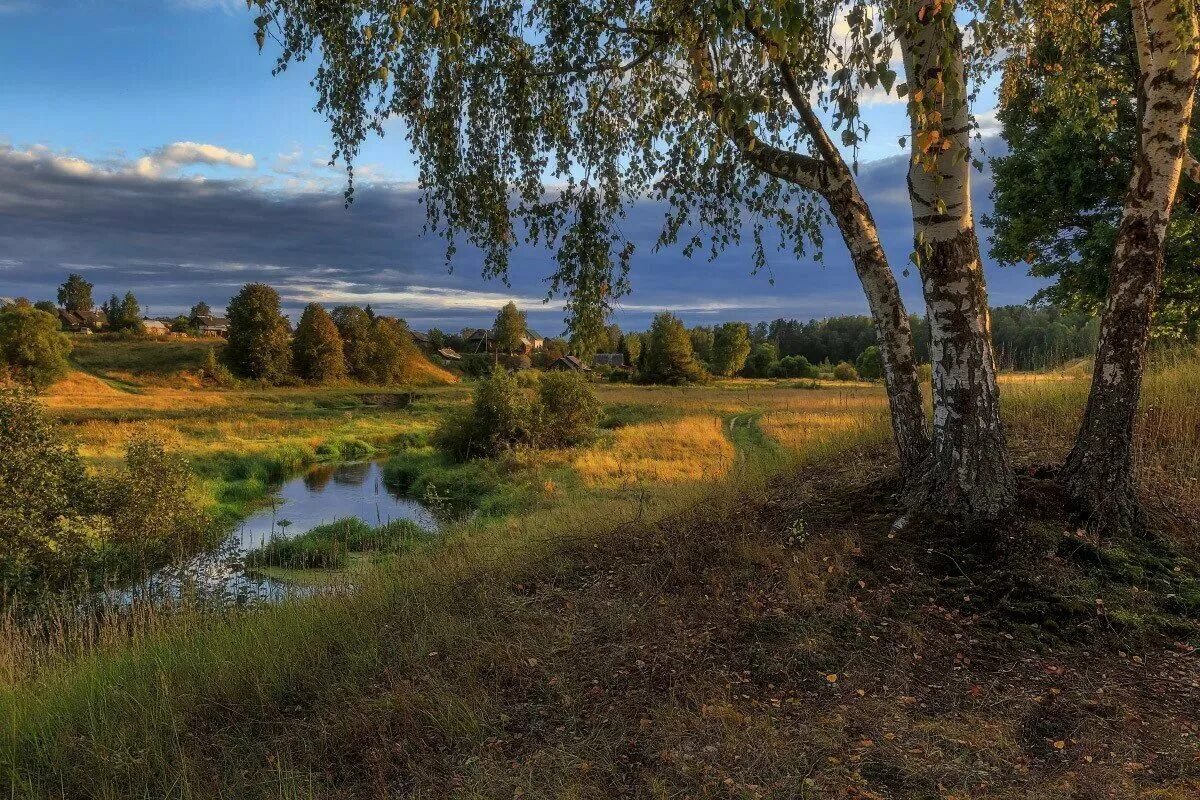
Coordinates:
(690, 449)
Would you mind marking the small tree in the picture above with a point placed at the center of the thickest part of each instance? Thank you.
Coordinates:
(394, 356)
(124, 314)
(631, 346)
(502, 416)
(258, 334)
(870, 364)
(32, 348)
(731, 346)
(668, 356)
(437, 339)
(200, 313)
(317, 347)
(509, 328)
(794, 367)
(75, 294)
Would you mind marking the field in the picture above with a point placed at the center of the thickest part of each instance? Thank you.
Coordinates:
(708, 601)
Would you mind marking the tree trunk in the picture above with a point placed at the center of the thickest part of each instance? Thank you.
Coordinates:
(893, 332)
(1099, 471)
(830, 177)
(969, 474)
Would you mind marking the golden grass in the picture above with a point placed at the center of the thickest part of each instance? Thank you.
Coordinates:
(691, 449)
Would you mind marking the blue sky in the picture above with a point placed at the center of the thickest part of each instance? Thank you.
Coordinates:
(110, 110)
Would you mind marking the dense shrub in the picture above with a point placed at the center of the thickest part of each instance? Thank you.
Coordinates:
(213, 372)
(62, 526)
(569, 412)
(845, 371)
(522, 410)
(32, 349)
(761, 361)
(793, 367)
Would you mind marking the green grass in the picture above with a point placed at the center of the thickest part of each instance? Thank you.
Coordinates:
(331, 546)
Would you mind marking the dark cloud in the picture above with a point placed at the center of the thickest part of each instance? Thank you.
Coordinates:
(175, 240)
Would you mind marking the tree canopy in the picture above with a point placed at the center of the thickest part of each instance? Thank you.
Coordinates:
(76, 293)
(259, 337)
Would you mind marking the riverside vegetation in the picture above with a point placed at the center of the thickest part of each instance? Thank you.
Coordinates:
(706, 597)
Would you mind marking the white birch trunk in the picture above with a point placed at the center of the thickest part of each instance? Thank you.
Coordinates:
(969, 474)
(1099, 470)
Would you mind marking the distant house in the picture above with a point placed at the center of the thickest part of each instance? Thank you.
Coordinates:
(482, 340)
(82, 321)
(449, 354)
(420, 339)
(609, 360)
(156, 327)
(214, 326)
(569, 364)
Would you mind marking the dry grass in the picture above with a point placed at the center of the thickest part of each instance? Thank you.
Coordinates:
(691, 449)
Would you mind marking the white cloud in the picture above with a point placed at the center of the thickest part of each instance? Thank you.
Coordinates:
(989, 123)
(171, 157)
(427, 297)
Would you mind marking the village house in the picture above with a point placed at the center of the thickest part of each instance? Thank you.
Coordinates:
(569, 364)
(482, 340)
(214, 326)
(82, 321)
(449, 354)
(156, 327)
(419, 339)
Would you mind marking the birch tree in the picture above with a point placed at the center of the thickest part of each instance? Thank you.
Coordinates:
(970, 471)
(549, 120)
(1099, 469)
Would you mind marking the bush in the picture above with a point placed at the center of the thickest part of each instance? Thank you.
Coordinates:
(793, 367)
(63, 527)
(525, 410)
(213, 372)
(845, 371)
(32, 349)
(570, 410)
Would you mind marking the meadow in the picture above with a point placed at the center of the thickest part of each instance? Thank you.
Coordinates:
(709, 600)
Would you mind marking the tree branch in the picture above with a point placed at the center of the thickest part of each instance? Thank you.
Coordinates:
(802, 170)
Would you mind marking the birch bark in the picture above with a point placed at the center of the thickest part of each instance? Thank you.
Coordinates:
(969, 473)
(831, 178)
(1099, 471)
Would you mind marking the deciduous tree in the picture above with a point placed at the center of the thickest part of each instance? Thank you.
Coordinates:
(32, 348)
(731, 346)
(509, 328)
(317, 346)
(76, 293)
(259, 339)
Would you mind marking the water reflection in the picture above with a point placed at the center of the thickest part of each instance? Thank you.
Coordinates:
(328, 493)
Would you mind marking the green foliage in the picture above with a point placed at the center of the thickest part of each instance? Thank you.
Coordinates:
(259, 339)
(148, 503)
(508, 411)
(213, 372)
(731, 347)
(1070, 119)
(569, 410)
(761, 360)
(199, 314)
(845, 371)
(631, 346)
(667, 355)
(124, 314)
(702, 343)
(870, 364)
(833, 339)
(317, 347)
(477, 365)
(329, 546)
(794, 367)
(509, 328)
(33, 350)
(354, 326)
(76, 293)
(394, 356)
(63, 526)
(1037, 338)
(47, 306)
